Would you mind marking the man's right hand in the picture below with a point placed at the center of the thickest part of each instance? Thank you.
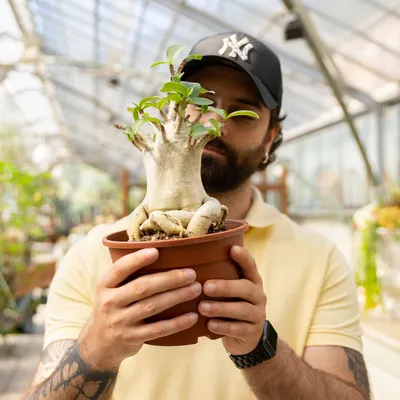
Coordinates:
(116, 329)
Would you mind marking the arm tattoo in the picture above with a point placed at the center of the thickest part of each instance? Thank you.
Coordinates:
(357, 367)
(72, 378)
(52, 355)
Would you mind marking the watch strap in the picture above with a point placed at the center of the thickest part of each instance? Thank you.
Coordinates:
(265, 350)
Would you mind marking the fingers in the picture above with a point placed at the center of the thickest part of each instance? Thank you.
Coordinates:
(127, 265)
(155, 330)
(246, 263)
(236, 288)
(149, 285)
(238, 330)
(241, 311)
(160, 302)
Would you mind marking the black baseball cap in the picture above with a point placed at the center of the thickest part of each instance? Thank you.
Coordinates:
(246, 53)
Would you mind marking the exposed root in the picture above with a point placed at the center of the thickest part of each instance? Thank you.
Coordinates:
(178, 223)
(168, 224)
(157, 235)
(138, 216)
(209, 213)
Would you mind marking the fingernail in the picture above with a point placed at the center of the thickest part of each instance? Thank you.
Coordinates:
(196, 287)
(206, 306)
(190, 273)
(235, 249)
(213, 325)
(210, 287)
(193, 317)
(150, 252)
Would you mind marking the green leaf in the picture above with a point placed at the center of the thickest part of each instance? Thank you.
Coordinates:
(142, 121)
(215, 123)
(138, 124)
(203, 90)
(243, 113)
(175, 97)
(215, 132)
(173, 52)
(158, 63)
(134, 111)
(153, 119)
(176, 87)
(148, 100)
(129, 133)
(202, 101)
(219, 111)
(195, 89)
(177, 78)
(160, 104)
(194, 57)
(199, 129)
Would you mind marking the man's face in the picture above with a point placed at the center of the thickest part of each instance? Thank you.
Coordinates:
(230, 160)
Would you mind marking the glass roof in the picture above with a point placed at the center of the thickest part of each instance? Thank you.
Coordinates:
(69, 68)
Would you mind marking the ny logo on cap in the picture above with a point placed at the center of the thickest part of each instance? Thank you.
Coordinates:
(235, 45)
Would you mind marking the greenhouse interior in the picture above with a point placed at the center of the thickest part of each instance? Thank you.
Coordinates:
(72, 72)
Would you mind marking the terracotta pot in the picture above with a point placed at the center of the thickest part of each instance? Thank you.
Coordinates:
(208, 255)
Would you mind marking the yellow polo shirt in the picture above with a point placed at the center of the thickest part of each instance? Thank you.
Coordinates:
(311, 301)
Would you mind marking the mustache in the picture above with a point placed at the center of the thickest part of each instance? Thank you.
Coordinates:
(218, 144)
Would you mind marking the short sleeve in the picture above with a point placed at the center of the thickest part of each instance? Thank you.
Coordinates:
(69, 303)
(336, 320)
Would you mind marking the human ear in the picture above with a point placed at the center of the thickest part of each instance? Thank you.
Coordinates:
(272, 135)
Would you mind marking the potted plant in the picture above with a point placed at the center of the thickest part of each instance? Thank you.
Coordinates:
(388, 221)
(378, 258)
(22, 196)
(177, 216)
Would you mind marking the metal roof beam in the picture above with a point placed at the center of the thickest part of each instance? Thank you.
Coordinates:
(82, 95)
(318, 48)
(291, 61)
(380, 6)
(363, 35)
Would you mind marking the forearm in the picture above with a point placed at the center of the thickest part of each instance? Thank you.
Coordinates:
(74, 378)
(287, 377)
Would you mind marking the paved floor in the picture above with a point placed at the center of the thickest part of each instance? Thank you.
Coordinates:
(19, 357)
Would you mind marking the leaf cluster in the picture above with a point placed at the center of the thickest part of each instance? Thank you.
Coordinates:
(180, 94)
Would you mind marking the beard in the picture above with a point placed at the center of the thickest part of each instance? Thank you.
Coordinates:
(223, 174)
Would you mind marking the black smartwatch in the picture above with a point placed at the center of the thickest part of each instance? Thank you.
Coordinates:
(265, 350)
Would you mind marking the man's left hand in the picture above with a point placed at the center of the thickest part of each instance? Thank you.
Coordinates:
(242, 335)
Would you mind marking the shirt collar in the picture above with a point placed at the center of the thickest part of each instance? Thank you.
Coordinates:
(261, 214)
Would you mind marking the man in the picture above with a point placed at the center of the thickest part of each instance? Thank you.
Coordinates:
(94, 331)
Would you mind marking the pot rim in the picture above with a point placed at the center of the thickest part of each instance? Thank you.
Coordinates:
(241, 227)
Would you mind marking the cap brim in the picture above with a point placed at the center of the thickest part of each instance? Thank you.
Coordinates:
(266, 96)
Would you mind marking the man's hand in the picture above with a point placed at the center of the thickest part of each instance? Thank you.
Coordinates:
(240, 336)
(116, 330)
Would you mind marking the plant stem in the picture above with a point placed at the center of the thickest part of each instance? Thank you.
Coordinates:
(171, 70)
(181, 65)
